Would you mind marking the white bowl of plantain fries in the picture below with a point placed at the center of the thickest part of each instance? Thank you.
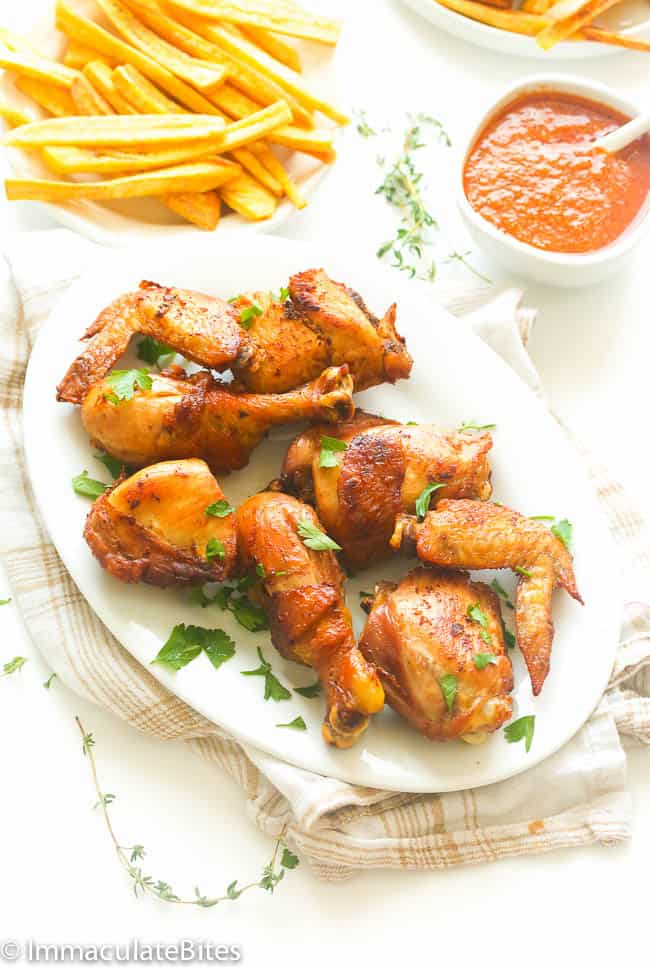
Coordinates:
(545, 29)
(135, 119)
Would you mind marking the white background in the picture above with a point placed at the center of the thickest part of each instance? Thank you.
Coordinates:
(59, 879)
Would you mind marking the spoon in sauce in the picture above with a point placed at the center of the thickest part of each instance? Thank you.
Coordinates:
(625, 135)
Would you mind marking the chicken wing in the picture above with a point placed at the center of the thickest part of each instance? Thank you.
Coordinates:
(426, 648)
(302, 591)
(322, 323)
(200, 327)
(197, 416)
(472, 535)
(154, 527)
(381, 472)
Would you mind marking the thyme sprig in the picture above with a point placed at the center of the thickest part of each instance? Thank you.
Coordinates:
(131, 856)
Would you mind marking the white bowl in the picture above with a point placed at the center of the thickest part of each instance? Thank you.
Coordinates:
(568, 270)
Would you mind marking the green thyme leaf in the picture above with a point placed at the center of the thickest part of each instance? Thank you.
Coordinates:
(424, 500)
(289, 860)
(215, 548)
(523, 728)
(563, 531)
(309, 691)
(314, 538)
(363, 128)
(449, 686)
(273, 687)
(85, 486)
(297, 723)
(15, 665)
(248, 314)
(48, 683)
(151, 351)
(329, 447)
(123, 384)
(221, 508)
(483, 659)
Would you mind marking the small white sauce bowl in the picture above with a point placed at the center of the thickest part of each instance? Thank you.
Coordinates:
(568, 270)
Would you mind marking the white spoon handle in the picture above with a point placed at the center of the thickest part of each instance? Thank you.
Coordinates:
(626, 134)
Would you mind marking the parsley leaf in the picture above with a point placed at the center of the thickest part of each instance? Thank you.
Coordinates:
(511, 641)
(123, 383)
(523, 728)
(221, 508)
(186, 642)
(260, 570)
(476, 614)
(424, 500)
(85, 486)
(15, 665)
(329, 447)
(114, 466)
(314, 538)
(273, 687)
(501, 591)
(248, 314)
(151, 351)
(289, 860)
(198, 596)
(525, 573)
(298, 723)
(283, 294)
(465, 427)
(563, 530)
(249, 615)
(542, 517)
(484, 658)
(309, 691)
(215, 548)
(449, 686)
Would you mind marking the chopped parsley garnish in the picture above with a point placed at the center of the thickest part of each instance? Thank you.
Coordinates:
(476, 614)
(114, 466)
(465, 427)
(511, 641)
(424, 500)
(273, 687)
(501, 591)
(215, 548)
(283, 294)
(297, 723)
(525, 573)
(542, 517)
(123, 383)
(484, 658)
(314, 538)
(151, 351)
(329, 447)
(563, 531)
(5, 601)
(449, 687)
(249, 615)
(309, 691)
(249, 314)
(15, 665)
(186, 642)
(523, 728)
(85, 486)
(221, 508)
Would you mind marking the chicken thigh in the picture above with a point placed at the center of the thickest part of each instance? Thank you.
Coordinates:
(381, 470)
(444, 671)
(197, 416)
(155, 527)
(302, 591)
(473, 535)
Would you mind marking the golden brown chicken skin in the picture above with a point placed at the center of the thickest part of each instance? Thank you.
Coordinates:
(322, 323)
(302, 592)
(197, 416)
(202, 328)
(420, 638)
(477, 536)
(380, 474)
(154, 527)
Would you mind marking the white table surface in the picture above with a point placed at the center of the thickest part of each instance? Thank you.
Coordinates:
(60, 880)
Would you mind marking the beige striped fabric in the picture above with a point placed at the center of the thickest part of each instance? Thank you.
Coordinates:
(575, 797)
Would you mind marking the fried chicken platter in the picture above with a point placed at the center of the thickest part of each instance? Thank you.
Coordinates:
(334, 557)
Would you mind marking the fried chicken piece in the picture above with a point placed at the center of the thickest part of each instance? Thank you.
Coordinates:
(418, 632)
(477, 536)
(302, 592)
(153, 527)
(323, 323)
(200, 327)
(384, 469)
(197, 416)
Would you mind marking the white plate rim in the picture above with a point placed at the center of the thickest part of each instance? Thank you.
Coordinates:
(306, 251)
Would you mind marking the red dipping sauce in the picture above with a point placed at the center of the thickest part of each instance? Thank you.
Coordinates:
(532, 173)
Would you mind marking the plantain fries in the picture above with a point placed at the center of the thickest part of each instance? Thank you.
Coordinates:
(101, 77)
(56, 100)
(203, 210)
(293, 22)
(536, 6)
(274, 46)
(516, 21)
(248, 198)
(13, 116)
(201, 176)
(70, 161)
(609, 37)
(86, 31)
(78, 55)
(143, 129)
(86, 99)
(255, 126)
(567, 17)
(32, 66)
(205, 77)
